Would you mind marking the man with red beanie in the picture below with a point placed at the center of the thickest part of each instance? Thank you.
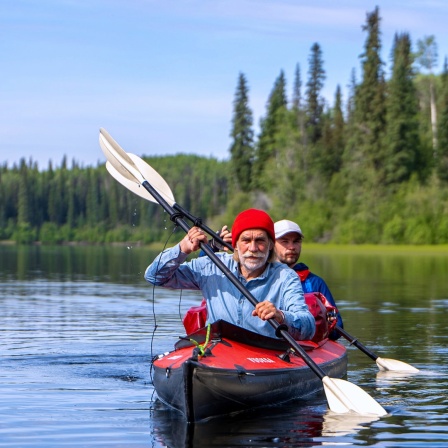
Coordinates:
(276, 287)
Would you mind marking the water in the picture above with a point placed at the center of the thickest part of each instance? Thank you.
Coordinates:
(77, 336)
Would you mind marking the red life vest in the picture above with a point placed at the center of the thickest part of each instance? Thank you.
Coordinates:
(324, 314)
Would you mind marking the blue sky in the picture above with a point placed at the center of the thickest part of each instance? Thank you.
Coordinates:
(160, 75)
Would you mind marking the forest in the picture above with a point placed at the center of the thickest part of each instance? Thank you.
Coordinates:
(369, 168)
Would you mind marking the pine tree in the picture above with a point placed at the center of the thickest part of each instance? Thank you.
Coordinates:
(442, 159)
(314, 101)
(365, 152)
(351, 97)
(242, 148)
(330, 148)
(402, 137)
(92, 198)
(270, 125)
(71, 194)
(338, 140)
(297, 90)
(24, 206)
(299, 114)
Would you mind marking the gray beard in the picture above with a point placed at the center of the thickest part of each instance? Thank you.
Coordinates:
(251, 267)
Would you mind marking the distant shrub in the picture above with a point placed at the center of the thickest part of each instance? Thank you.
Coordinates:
(441, 236)
(357, 230)
(393, 231)
(24, 234)
(120, 234)
(49, 233)
(418, 232)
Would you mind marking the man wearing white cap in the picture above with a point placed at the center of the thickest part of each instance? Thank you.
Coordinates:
(288, 246)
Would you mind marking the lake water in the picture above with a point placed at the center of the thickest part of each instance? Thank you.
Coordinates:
(79, 327)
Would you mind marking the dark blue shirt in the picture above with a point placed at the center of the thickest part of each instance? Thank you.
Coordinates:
(314, 283)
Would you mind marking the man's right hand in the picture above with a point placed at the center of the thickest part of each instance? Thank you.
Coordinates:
(191, 241)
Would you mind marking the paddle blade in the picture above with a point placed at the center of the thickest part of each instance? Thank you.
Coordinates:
(156, 181)
(154, 178)
(386, 364)
(118, 158)
(132, 186)
(343, 396)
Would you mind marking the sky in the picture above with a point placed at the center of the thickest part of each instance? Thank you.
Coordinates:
(160, 75)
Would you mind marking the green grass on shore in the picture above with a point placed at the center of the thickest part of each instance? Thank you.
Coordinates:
(441, 249)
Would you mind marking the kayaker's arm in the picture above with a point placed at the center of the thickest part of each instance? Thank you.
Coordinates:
(300, 322)
(168, 270)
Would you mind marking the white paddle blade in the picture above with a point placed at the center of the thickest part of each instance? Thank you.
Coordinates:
(118, 158)
(132, 186)
(343, 397)
(154, 178)
(386, 364)
(137, 189)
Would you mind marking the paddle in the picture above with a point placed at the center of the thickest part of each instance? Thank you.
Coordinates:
(383, 363)
(112, 150)
(342, 396)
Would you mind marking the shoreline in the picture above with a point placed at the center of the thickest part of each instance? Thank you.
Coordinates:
(440, 249)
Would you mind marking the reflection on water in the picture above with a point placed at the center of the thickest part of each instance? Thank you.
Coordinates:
(295, 424)
(79, 328)
(289, 425)
(338, 425)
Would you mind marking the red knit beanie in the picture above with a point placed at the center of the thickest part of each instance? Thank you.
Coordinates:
(252, 219)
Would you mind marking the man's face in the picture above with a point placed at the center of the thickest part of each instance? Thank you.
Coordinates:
(288, 248)
(253, 248)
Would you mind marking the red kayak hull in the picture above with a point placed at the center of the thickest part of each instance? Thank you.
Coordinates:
(240, 370)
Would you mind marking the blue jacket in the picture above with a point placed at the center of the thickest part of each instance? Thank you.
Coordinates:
(313, 283)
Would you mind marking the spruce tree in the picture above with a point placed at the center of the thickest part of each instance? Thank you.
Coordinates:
(338, 140)
(330, 148)
(402, 136)
(299, 114)
(364, 151)
(242, 147)
(442, 159)
(314, 101)
(24, 206)
(297, 90)
(351, 97)
(270, 125)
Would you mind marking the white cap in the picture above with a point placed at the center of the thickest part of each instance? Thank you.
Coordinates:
(285, 226)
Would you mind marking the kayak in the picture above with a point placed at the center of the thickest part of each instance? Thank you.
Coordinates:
(230, 370)
(223, 369)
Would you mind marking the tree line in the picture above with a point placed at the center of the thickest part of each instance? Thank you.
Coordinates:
(370, 168)
(86, 205)
(374, 171)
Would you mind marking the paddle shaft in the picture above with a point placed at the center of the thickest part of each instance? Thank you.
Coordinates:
(355, 342)
(198, 222)
(280, 329)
